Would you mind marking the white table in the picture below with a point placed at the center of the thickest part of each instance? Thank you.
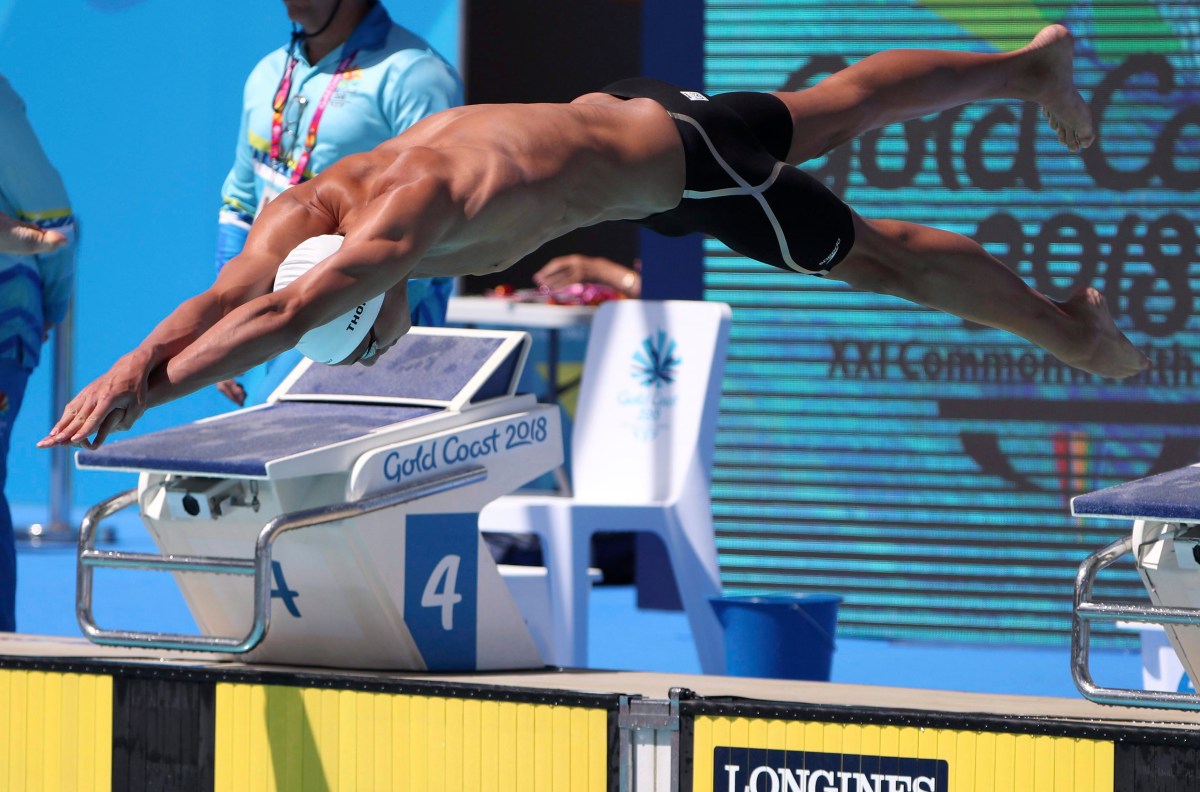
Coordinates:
(510, 313)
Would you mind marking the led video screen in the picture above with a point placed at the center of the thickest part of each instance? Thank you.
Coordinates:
(918, 464)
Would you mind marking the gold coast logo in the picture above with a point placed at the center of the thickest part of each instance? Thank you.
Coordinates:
(655, 362)
(646, 410)
(759, 770)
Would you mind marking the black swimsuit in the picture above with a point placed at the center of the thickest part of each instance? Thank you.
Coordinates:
(738, 186)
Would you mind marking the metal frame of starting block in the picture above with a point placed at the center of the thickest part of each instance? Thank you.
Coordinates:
(385, 468)
(1162, 514)
(259, 567)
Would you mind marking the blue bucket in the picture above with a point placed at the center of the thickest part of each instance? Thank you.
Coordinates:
(779, 636)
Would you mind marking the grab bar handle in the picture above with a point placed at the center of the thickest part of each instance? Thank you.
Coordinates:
(259, 567)
(1086, 611)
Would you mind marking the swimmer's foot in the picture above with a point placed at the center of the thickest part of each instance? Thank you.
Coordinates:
(1049, 80)
(1103, 349)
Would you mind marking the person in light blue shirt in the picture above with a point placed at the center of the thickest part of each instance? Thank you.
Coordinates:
(349, 79)
(37, 271)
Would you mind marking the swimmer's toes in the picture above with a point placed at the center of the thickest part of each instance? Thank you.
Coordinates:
(1074, 136)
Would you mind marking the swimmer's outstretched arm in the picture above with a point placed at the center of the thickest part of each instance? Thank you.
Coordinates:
(273, 323)
(179, 358)
(239, 322)
(120, 396)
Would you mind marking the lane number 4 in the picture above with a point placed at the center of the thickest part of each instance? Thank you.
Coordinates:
(439, 589)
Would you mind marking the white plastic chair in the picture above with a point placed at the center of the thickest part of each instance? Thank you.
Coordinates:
(642, 450)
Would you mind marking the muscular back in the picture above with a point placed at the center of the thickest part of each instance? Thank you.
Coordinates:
(491, 183)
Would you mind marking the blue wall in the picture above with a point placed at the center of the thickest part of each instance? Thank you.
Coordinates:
(137, 102)
(673, 50)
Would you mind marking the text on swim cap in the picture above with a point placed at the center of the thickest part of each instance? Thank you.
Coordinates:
(357, 313)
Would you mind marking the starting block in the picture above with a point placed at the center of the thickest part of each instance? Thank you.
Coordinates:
(337, 525)
(1165, 546)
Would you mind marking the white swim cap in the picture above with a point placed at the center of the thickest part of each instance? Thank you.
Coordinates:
(337, 340)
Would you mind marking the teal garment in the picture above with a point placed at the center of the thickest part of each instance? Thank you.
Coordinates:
(34, 290)
(395, 80)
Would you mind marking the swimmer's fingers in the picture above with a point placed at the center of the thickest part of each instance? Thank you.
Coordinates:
(122, 388)
(393, 338)
(389, 340)
(113, 422)
(87, 413)
(115, 419)
(70, 413)
(394, 318)
(81, 428)
(55, 430)
(73, 416)
(374, 350)
(384, 348)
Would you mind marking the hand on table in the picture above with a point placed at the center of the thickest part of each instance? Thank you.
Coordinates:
(564, 271)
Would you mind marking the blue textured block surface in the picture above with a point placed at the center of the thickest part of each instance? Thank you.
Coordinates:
(1170, 497)
(242, 443)
(427, 367)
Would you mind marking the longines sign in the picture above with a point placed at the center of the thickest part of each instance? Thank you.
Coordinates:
(756, 770)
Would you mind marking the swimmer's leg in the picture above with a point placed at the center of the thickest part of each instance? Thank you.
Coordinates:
(898, 85)
(951, 273)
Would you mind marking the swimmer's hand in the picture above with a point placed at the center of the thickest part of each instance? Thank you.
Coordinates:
(112, 403)
(394, 318)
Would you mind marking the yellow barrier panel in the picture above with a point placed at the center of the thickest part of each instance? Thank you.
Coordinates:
(312, 740)
(55, 731)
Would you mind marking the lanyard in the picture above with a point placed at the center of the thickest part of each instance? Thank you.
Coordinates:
(281, 97)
